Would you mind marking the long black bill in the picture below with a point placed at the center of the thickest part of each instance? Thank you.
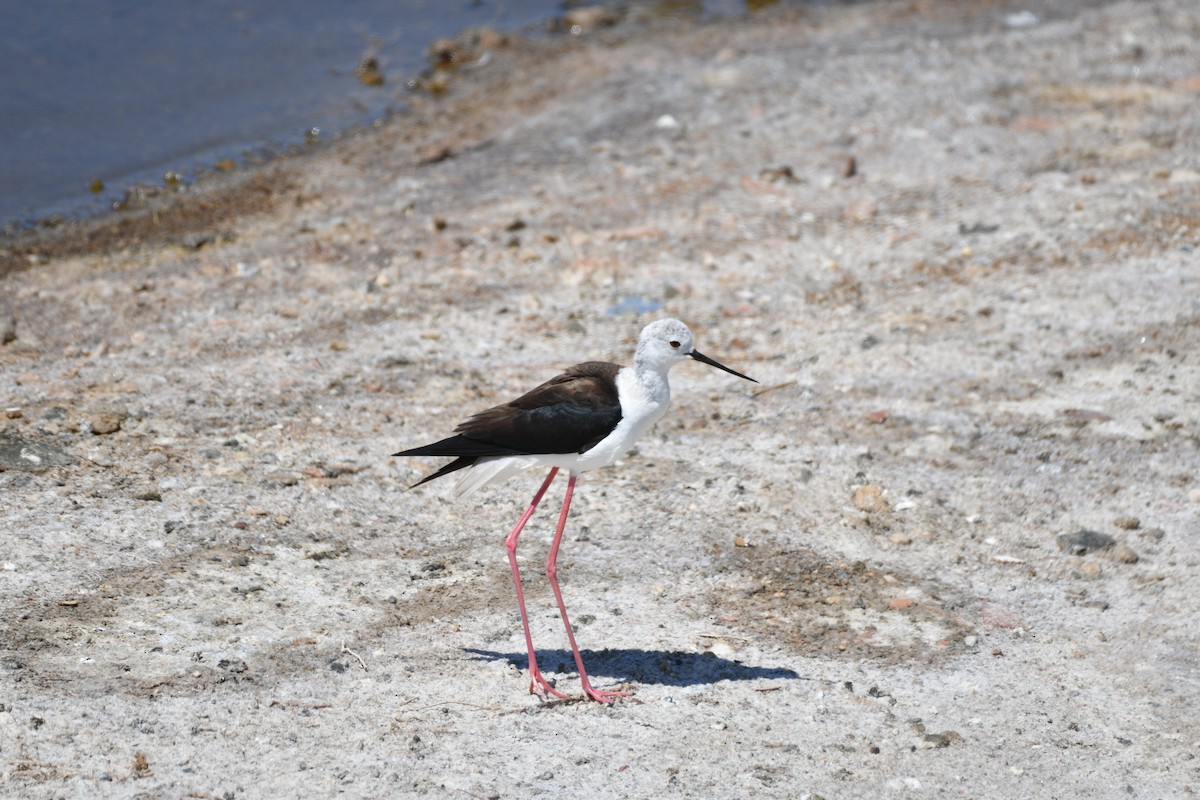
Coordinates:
(703, 359)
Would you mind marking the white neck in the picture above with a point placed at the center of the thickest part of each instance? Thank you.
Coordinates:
(652, 376)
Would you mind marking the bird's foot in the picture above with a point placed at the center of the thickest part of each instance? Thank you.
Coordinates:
(542, 688)
(603, 695)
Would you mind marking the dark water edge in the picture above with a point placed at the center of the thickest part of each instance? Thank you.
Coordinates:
(103, 98)
(106, 92)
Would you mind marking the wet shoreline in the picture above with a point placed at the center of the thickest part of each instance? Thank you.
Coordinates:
(191, 212)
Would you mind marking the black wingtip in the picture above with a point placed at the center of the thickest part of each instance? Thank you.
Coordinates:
(454, 466)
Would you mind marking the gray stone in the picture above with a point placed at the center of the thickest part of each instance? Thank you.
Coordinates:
(19, 453)
(1083, 542)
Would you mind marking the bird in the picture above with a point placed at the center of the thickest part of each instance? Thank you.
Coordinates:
(580, 420)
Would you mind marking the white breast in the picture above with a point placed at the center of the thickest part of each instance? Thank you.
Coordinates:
(643, 402)
(641, 407)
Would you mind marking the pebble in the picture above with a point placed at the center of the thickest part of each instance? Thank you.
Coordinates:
(1021, 19)
(860, 210)
(870, 499)
(943, 739)
(8, 327)
(722, 649)
(585, 18)
(105, 422)
(1124, 554)
(19, 453)
(1128, 523)
(368, 71)
(284, 477)
(900, 538)
(1152, 534)
(1083, 542)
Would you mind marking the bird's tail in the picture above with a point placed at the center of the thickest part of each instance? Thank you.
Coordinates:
(459, 463)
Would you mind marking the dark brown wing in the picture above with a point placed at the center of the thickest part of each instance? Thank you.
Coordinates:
(570, 413)
(567, 414)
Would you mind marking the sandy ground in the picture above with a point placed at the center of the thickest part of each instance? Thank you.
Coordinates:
(954, 241)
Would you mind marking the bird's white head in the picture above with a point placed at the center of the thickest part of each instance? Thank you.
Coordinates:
(665, 343)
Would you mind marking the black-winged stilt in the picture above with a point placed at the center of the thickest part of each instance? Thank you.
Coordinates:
(583, 419)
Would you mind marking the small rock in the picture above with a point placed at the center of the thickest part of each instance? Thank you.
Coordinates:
(446, 52)
(19, 453)
(870, 499)
(1090, 570)
(368, 71)
(943, 739)
(1152, 534)
(284, 477)
(105, 422)
(978, 227)
(900, 538)
(901, 603)
(1083, 542)
(860, 210)
(583, 19)
(433, 154)
(1128, 523)
(1124, 554)
(490, 39)
(1021, 19)
(8, 327)
(235, 665)
(780, 174)
(195, 240)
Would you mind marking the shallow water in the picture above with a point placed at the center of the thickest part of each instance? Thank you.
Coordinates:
(118, 92)
(99, 95)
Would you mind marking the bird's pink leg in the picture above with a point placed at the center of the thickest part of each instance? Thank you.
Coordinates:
(537, 683)
(599, 695)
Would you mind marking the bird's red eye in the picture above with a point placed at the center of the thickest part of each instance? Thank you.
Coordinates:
(674, 344)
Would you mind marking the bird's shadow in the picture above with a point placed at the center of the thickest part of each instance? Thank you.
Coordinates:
(664, 667)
